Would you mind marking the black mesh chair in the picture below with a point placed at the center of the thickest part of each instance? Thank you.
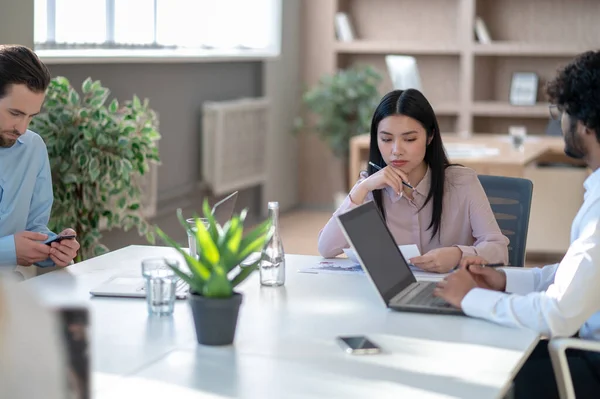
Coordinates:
(510, 198)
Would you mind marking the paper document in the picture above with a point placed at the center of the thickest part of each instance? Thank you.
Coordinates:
(408, 251)
(351, 266)
(335, 266)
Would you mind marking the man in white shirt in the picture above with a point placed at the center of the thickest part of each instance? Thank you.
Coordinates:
(557, 300)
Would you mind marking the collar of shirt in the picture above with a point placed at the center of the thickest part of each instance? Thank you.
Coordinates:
(22, 139)
(591, 182)
(422, 189)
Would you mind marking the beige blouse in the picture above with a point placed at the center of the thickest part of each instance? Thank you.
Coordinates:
(467, 219)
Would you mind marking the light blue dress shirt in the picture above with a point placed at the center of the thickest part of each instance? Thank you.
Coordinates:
(556, 300)
(25, 194)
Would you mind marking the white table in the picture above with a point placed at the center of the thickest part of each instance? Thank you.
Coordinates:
(285, 344)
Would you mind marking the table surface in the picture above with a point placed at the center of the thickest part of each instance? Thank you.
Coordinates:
(285, 343)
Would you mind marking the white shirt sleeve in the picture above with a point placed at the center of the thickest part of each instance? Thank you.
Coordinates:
(523, 281)
(570, 290)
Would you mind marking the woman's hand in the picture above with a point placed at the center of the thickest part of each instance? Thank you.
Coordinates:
(388, 176)
(439, 260)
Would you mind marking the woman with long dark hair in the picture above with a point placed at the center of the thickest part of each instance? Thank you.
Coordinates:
(424, 199)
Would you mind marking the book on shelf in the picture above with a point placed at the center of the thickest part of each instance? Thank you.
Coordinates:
(404, 72)
(343, 27)
(481, 31)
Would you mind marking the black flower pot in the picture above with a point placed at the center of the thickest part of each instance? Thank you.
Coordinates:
(215, 318)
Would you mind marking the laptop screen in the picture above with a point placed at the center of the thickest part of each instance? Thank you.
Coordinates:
(223, 210)
(375, 247)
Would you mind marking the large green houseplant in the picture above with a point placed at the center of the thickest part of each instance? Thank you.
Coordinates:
(341, 106)
(98, 154)
(217, 269)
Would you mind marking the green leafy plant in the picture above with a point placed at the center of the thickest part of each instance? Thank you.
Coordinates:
(221, 249)
(98, 154)
(341, 106)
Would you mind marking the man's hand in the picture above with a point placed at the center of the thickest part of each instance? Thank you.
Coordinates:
(455, 287)
(62, 253)
(485, 277)
(29, 249)
(440, 260)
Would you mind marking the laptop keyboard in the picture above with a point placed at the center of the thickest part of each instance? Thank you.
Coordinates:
(424, 296)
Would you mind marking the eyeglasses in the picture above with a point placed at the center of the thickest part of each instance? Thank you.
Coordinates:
(555, 112)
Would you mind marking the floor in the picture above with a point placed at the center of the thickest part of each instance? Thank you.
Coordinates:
(300, 230)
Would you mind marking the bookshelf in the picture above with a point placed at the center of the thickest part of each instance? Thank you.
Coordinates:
(467, 82)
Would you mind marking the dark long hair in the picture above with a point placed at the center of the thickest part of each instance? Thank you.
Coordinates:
(412, 103)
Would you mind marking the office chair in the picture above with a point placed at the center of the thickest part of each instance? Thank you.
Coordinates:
(557, 348)
(510, 199)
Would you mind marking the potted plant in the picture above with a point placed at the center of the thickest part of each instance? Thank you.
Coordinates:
(341, 106)
(217, 270)
(98, 154)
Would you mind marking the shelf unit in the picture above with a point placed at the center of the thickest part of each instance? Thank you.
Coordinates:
(468, 83)
(392, 47)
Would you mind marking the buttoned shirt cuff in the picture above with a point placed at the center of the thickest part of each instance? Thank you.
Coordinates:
(8, 253)
(467, 250)
(480, 302)
(519, 281)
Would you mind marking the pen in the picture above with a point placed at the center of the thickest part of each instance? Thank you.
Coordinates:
(485, 265)
(379, 168)
(493, 265)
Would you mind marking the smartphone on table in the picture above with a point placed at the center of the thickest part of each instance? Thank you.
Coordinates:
(358, 345)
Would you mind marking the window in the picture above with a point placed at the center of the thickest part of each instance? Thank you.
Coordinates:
(158, 28)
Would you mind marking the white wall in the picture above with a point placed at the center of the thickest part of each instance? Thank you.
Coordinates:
(282, 85)
(16, 22)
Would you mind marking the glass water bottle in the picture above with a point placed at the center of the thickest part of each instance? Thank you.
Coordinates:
(272, 265)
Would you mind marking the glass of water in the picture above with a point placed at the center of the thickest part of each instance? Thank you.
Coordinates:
(518, 135)
(160, 282)
(191, 238)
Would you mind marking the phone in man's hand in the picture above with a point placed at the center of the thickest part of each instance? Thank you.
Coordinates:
(59, 238)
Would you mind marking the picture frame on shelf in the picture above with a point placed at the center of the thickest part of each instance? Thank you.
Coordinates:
(524, 88)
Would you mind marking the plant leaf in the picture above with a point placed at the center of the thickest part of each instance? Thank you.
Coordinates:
(206, 246)
(218, 286)
(196, 267)
(243, 274)
(195, 284)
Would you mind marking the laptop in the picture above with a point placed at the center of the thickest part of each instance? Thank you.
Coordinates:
(385, 265)
(223, 210)
(132, 285)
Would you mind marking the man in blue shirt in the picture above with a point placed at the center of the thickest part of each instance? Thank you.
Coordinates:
(25, 180)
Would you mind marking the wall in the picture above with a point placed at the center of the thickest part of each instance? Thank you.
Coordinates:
(282, 85)
(16, 22)
(176, 92)
(320, 174)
